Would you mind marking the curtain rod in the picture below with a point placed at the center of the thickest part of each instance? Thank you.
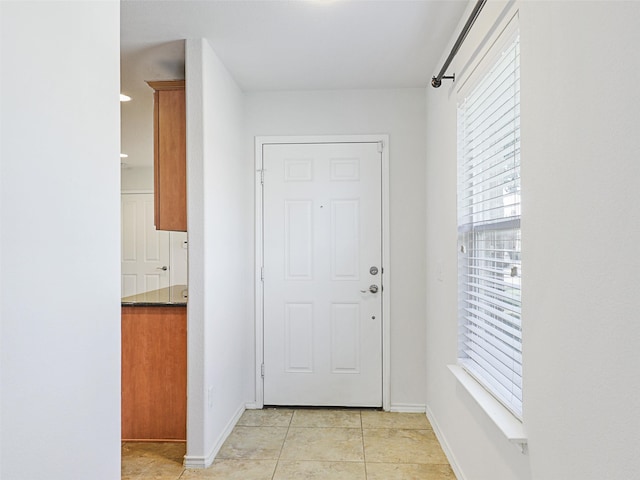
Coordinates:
(437, 80)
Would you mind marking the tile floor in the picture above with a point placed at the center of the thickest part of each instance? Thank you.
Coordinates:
(305, 444)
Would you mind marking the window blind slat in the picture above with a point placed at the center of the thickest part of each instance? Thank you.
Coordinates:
(496, 282)
(503, 373)
(498, 176)
(485, 212)
(481, 99)
(501, 165)
(495, 301)
(507, 382)
(485, 81)
(509, 369)
(503, 323)
(493, 335)
(505, 395)
(492, 128)
(499, 294)
(504, 343)
(499, 224)
(478, 268)
(489, 149)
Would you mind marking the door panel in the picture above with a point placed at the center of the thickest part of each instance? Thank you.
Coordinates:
(298, 244)
(345, 338)
(299, 337)
(322, 234)
(345, 242)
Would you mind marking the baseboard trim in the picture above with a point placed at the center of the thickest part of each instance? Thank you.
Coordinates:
(253, 406)
(445, 446)
(407, 407)
(200, 462)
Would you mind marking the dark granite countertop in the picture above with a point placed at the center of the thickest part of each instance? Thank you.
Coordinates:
(175, 295)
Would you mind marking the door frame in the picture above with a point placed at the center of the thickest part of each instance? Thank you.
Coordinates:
(260, 142)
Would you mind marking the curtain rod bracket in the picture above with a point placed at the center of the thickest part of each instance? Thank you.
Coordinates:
(436, 82)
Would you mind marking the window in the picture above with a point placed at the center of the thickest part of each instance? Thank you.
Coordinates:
(490, 269)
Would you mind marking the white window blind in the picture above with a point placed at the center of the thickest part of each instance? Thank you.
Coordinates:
(490, 269)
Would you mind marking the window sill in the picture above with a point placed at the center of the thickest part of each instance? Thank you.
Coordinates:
(510, 426)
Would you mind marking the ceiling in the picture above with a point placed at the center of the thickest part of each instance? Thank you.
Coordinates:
(281, 45)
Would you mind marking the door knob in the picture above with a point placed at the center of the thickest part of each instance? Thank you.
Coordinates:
(164, 268)
(372, 289)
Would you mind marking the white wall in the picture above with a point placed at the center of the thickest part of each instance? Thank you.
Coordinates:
(179, 249)
(583, 220)
(581, 228)
(59, 246)
(136, 178)
(220, 212)
(401, 114)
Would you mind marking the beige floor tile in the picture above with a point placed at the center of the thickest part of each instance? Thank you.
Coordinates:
(269, 417)
(320, 471)
(153, 472)
(156, 474)
(229, 469)
(376, 419)
(402, 446)
(166, 451)
(326, 418)
(323, 444)
(133, 467)
(152, 460)
(254, 443)
(400, 471)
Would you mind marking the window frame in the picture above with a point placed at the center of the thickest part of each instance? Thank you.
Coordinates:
(476, 228)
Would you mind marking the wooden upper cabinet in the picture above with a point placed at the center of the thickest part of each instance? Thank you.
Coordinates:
(170, 155)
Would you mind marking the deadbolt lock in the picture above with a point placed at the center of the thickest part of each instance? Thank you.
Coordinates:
(373, 270)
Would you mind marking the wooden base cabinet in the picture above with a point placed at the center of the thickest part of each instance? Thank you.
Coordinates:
(170, 155)
(154, 373)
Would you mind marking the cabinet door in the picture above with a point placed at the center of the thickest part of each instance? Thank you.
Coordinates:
(170, 175)
(154, 373)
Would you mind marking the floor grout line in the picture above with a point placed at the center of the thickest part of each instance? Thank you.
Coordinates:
(275, 469)
(364, 452)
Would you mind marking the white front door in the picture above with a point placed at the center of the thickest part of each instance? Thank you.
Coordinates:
(322, 243)
(145, 250)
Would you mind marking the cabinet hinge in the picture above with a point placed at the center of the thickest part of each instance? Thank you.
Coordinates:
(262, 274)
(262, 370)
(380, 146)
